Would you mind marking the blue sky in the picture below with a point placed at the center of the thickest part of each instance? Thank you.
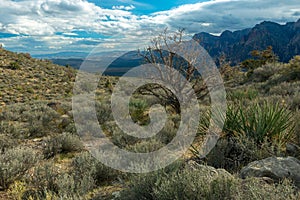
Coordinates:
(145, 6)
(49, 26)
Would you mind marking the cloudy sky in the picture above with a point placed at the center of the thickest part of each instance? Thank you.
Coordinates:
(48, 26)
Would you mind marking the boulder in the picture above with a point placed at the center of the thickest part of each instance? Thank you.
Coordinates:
(276, 168)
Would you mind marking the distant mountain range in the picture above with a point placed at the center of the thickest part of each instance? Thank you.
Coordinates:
(62, 55)
(236, 46)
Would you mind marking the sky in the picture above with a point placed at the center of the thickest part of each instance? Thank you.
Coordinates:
(49, 26)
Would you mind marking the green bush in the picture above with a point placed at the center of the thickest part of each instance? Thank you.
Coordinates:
(118, 137)
(6, 142)
(14, 163)
(285, 89)
(86, 168)
(265, 72)
(142, 186)
(146, 146)
(168, 132)
(14, 66)
(45, 177)
(195, 184)
(103, 111)
(29, 120)
(63, 143)
(295, 104)
(242, 95)
(257, 189)
(10, 129)
(41, 121)
(233, 154)
(63, 184)
(297, 127)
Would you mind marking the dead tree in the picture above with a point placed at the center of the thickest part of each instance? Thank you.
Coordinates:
(160, 52)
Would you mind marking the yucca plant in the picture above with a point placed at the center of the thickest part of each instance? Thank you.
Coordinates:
(267, 121)
(137, 109)
(260, 122)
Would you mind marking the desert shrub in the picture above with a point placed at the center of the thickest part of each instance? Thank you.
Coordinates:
(179, 184)
(104, 112)
(17, 189)
(293, 69)
(289, 73)
(49, 180)
(14, 163)
(146, 146)
(14, 66)
(44, 177)
(86, 168)
(295, 101)
(30, 120)
(6, 142)
(297, 126)
(11, 129)
(32, 194)
(190, 184)
(242, 95)
(69, 189)
(263, 73)
(254, 188)
(12, 112)
(118, 137)
(70, 128)
(63, 143)
(41, 121)
(285, 88)
(142, 186)
(196, 184)
(233, 154)
(168, 132)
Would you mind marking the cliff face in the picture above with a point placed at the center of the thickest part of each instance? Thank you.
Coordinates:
(237, 45)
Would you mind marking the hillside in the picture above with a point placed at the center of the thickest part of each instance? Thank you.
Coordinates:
(43, 157)
(25, 79)
(237, 45)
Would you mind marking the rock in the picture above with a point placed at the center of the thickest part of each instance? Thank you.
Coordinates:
(292, 149)
(208, 170)
(37, 140)
(276, 168)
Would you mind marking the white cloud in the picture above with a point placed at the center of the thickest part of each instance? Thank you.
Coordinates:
(230, 14)
(131, 7)
(45, 17)
(40, 20)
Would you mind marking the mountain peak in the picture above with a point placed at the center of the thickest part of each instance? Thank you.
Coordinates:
(237, 45)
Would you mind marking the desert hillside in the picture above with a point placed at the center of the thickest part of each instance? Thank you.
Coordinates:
(42, 156)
